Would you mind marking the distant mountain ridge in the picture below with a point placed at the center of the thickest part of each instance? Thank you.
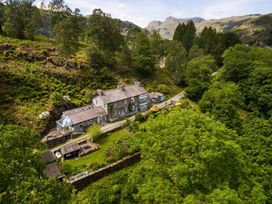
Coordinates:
(245, 26)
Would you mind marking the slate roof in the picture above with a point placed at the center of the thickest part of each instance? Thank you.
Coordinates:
(77, 110)
(155, 94)
(53, 171)
(119, 94)
(83, 114)
(48, 157)
(69, 148)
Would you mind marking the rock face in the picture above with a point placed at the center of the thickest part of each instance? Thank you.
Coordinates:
(168, 27)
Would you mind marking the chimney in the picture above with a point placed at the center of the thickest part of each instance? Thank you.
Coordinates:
(99, 92)
(121, 86)
(137, 83)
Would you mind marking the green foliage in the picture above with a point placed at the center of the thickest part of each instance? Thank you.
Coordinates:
(256, 143)
(67, 34)
(257, 89)
(104, 31)
(163, 89)
(222, 101)
(2, 12)
(186, 157)
(185, 34)
(95, 132)
(157, 44)
(198, 76)
(215, 44)
(21, 171)
(120, 149)
(139, 117)
(142, 55)
(251, 69)
(57, 100)
(124, 60)
(236, 63)
(22, 19)
(195, 52)
(176, 61)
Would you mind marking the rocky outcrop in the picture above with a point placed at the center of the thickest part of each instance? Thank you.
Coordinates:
(168, 27)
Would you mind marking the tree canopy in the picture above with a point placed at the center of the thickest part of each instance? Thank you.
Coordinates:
(198, 75)
(21, 176)
(222, 101)
(176, 61)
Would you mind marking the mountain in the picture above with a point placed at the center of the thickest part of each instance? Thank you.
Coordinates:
(250, 28)
(168, 27)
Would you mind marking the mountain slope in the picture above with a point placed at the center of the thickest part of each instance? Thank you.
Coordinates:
(254, 27)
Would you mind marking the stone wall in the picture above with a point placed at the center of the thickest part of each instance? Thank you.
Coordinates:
(84, 179)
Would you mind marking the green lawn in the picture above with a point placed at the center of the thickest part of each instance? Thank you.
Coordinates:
(98, 156)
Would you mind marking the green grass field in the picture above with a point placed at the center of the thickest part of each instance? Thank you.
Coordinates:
(98, 156)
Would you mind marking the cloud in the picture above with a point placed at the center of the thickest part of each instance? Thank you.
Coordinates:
(120, 5)
(225, 8)
(179, 14)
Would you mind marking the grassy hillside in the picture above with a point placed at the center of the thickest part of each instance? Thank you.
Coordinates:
(250, 28)
(33, 77)
(256, 30)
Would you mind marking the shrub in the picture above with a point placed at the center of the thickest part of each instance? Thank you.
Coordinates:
(139, 117)
(163, 88)
(95, 132)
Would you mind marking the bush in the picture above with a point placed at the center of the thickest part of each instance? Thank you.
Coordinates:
(116, 151)
(95, 132)
(163, 88)
(139, 117)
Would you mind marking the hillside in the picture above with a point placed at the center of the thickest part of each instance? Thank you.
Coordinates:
(250, 27)
(33, 74)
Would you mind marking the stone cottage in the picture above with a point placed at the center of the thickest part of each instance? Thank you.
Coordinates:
(109, 105)
(76, 120)
(122, 101)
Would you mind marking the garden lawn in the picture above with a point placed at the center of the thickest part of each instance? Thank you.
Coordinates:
(99, 155)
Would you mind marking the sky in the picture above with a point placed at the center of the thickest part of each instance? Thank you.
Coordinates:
(142, 12)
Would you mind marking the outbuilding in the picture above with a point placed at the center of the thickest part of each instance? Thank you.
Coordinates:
(156, 97)
(70, 151)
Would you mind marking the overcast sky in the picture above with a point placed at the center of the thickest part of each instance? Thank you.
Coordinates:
(141, 12)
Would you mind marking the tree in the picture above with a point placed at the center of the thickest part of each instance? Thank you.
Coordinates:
(179, 32)
(104, 31)
(21, 174)
(2, 12)
(67, 32)
(236, 63)
(222, 101)
(142, 55)
(32, 21)
(131, 36)
(124, 60)
(256, 143)
(257, 89)
(195, 52)
(13, 25)
(22, 19)
(185, 34)
(189, 36)
(186, 154)
(208, 40)
(198, 74)
(157, 44)
(176, 61)
(58, 11)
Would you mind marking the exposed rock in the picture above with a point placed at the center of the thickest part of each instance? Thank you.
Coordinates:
(168, 27)
(44, 115)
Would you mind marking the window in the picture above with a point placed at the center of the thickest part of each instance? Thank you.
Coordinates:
(113, 113)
